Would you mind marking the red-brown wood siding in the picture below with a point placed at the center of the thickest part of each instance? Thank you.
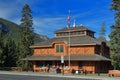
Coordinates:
(73, 50)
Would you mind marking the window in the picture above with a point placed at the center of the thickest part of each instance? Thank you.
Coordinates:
(83, 32)
(75, 33)
(78, 32)
(80, 64)
(38, 64)
(59, 48)
(60, 34)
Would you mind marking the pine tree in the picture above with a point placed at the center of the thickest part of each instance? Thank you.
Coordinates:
(102, 32)
(10, 53)
(26, 36)
(115, 35)
(2, 56)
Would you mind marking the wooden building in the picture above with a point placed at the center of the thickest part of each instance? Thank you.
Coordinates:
(86, 52)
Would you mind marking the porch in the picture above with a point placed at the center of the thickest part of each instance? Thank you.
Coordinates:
(90, 63)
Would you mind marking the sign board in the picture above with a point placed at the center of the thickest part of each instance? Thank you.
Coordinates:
(62, 59)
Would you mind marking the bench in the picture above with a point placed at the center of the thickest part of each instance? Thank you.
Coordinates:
(45, 69)
(114, 73)
(38, 69)
(19, 69)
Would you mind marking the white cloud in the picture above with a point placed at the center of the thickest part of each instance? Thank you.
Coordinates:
(48, 25)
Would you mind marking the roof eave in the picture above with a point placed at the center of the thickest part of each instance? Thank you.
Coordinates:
(65, 42)
(40, 46)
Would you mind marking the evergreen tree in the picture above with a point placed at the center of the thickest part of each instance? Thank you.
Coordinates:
(115, 35)
(10, 53)
(26, 36)
(102, 32)
(2, 56)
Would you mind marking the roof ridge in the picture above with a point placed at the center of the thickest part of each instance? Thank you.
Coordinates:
(72, 28)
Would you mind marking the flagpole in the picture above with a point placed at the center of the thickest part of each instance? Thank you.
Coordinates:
(69, 48)
(69, 39)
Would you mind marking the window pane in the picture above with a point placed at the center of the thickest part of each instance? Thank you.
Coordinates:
(83, 32)
(61, 48)
(57, 48)
(57, 34)
(78, 32)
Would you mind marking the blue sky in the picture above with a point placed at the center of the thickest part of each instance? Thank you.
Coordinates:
(51, 15)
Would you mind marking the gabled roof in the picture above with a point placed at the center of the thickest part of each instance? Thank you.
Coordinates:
(81, 40)
(77, 28)
(77, 57)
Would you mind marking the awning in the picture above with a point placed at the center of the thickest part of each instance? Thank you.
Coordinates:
(78, 57)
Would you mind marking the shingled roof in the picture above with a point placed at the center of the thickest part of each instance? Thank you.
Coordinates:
(80, 57)
(77, 28)
(81, 40)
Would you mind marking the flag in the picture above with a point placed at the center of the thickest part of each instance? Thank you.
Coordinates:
(69, 19)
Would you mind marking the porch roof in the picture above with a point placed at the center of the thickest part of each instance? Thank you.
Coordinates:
(78, 57)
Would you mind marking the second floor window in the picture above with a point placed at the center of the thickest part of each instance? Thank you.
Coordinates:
(59, 48)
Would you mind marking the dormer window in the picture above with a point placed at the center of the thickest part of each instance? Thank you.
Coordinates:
(59, 48)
